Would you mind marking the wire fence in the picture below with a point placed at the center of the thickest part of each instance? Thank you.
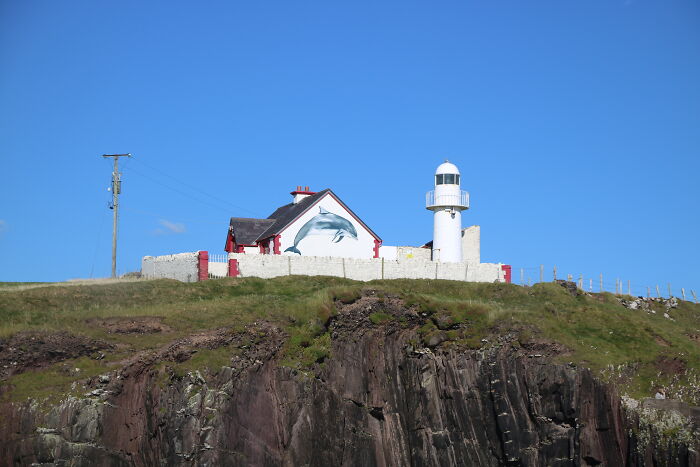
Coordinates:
(600, 283)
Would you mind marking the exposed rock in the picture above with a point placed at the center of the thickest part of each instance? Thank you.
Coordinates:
(132, 325)
(40, 349)
(376, 401)
(645, 304)
(570, 286)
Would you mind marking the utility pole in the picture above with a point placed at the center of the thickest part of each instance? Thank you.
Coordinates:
(541, 272)
(116, 190)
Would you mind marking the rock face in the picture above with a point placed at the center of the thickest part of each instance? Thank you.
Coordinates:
(380, 399)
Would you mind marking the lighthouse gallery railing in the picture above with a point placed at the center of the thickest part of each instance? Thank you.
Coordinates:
(460, 200)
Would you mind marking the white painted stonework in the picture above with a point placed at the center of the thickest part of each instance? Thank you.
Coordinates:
(217, 269)
(268, 266)
(251, 250)
(181, 266)
(471, 244)
(327, 229)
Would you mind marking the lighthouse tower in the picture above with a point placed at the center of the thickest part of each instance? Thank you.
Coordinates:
(447, 201)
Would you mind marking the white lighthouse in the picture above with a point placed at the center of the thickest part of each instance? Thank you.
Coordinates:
(447, 201)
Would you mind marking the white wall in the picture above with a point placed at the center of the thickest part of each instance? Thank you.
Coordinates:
(321, 243)
(412, 252)
(388, 252)
(471, 244)
(182, 266)
(218, 269)
(365, 269)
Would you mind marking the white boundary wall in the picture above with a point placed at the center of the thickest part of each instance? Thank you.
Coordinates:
(267, 266)
(182, 266)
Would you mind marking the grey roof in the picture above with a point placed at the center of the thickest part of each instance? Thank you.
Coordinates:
(246, 230)
(285, 215)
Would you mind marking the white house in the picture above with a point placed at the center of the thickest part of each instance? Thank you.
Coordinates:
(313, 224)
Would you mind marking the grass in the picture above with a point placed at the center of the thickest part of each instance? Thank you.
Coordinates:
(22, 284)
(52, 383)
(598, 331)
(210, 360)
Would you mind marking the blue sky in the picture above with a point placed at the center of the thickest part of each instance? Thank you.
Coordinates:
(576, 125)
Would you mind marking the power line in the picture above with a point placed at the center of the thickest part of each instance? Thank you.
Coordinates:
(161, 216)
(189, 196)
(192, 187)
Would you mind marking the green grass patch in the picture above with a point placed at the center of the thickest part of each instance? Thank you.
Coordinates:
(20, 284)
(209, 360)
(54, 382)
(380, 317)
(599, 332)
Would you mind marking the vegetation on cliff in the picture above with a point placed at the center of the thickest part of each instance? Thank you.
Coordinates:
(640, 351)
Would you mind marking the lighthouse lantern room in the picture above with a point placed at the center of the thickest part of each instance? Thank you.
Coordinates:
(447, 201)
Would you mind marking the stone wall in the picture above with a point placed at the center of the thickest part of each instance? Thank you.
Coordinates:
(471, 244)
(267, 266)
(217, 269)
(182, 266)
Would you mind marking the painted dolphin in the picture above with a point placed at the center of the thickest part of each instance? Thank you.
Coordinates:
(324, 223)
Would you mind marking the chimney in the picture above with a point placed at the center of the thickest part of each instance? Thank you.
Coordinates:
(300, 193)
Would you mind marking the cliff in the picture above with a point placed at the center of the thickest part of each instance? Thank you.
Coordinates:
(383, 381)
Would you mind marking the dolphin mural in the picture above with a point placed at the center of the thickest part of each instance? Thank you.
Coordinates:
(324, 223)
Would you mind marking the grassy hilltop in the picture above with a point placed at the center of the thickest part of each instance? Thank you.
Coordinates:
(638, 350)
